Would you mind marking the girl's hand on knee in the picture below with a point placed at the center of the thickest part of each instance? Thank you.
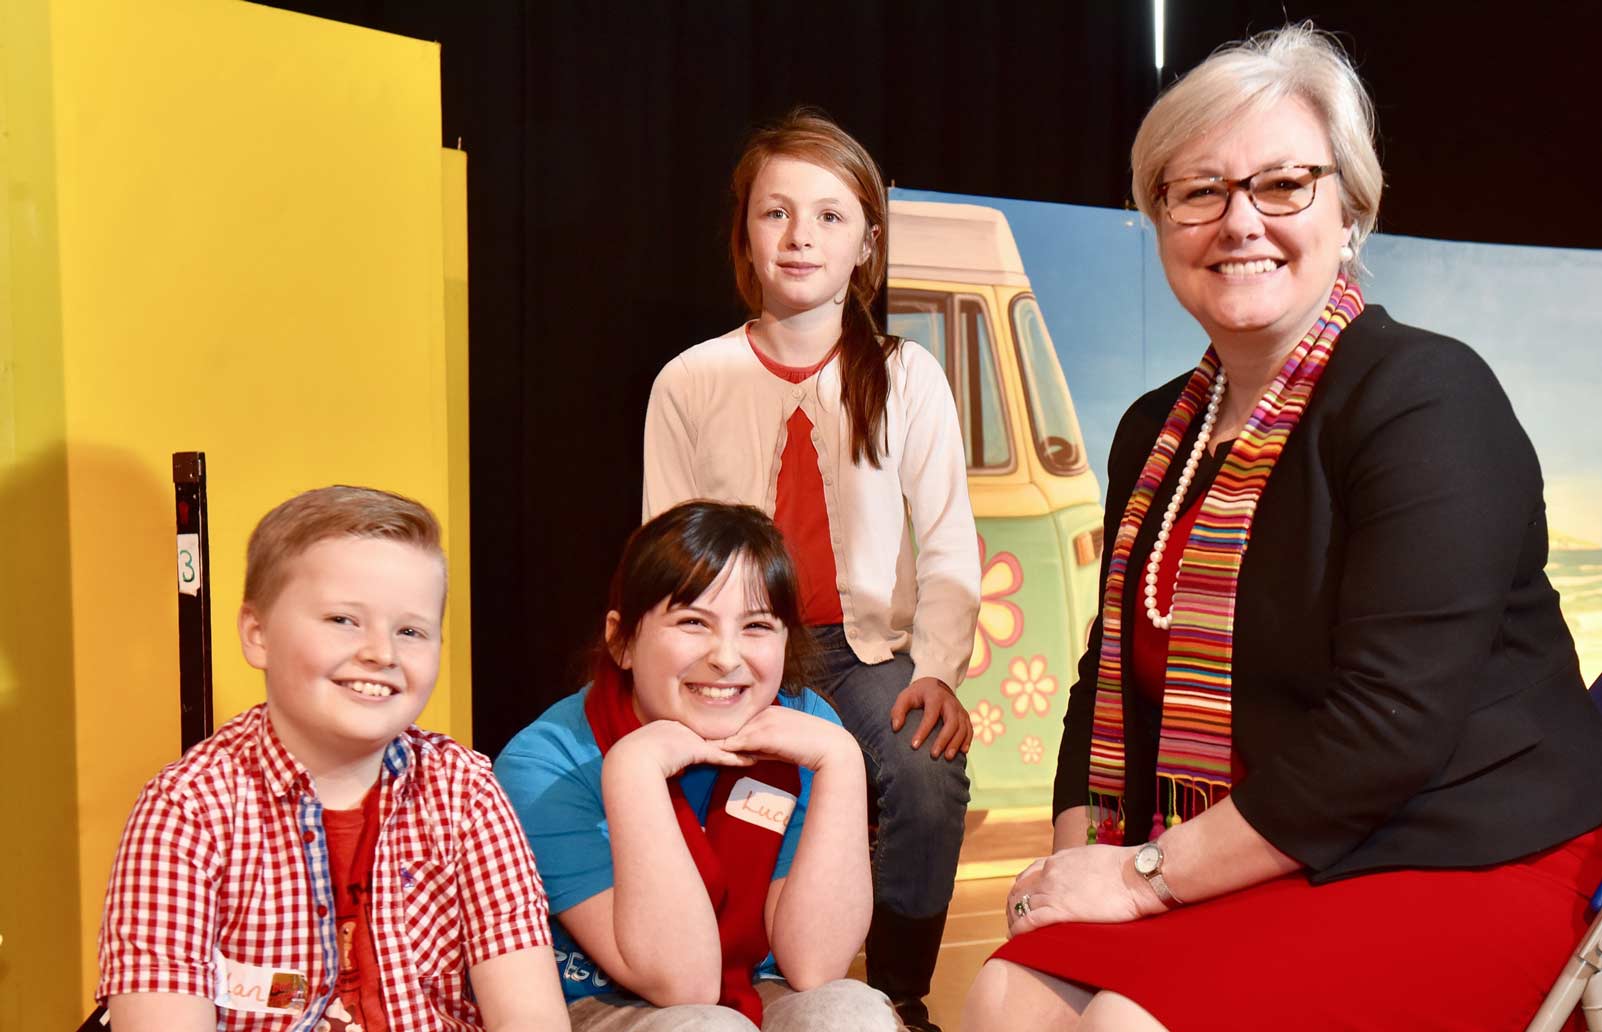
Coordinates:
(939, 704)
(784, 734)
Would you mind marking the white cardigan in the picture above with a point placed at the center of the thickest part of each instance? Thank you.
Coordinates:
(715, 428)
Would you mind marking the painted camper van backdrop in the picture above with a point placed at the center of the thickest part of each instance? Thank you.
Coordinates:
(958, 288)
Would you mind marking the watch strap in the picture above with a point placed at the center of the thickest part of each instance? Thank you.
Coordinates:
(1155, 878)
(1160, 886)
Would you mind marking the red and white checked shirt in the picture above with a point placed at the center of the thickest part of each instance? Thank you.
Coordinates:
(225, 851)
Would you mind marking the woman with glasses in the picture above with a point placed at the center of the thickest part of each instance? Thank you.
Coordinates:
(1329, 762)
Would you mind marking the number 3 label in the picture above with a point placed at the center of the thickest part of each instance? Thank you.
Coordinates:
(189, 564)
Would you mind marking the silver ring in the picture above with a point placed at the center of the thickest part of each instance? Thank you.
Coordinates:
(1021, 908)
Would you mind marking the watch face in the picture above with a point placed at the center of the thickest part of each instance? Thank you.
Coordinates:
(1148, 859)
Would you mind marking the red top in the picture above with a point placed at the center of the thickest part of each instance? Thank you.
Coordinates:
(1149, 663)
(799, 510)
(1149, 646)
(358, 993)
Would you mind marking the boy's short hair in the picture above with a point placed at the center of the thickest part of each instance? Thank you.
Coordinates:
(330, 512)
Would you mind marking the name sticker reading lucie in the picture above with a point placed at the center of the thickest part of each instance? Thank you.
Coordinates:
(247, 987)
(763, 805)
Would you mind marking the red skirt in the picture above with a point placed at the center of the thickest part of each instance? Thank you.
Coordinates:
(1470, 950)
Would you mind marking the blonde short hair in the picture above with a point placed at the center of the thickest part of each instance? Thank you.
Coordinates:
(1252, 75)
(329, 512)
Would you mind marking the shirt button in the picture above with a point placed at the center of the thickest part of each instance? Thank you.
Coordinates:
(322, 911)
(309, 837)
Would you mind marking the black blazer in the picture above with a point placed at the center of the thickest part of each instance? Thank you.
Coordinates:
(1406, 693)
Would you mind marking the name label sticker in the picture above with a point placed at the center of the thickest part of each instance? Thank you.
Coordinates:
(763, 805)
(260, 990)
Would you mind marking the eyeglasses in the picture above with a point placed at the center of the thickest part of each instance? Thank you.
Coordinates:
(1197, 200)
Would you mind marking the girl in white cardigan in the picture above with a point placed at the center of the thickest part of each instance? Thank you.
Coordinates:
(850, 440)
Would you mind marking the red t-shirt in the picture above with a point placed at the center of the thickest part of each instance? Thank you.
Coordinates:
(799, 510)
(358, 1001)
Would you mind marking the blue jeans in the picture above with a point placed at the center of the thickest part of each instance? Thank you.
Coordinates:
(921, 800)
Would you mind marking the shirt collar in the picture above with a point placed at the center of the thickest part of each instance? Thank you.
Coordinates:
(284, 775)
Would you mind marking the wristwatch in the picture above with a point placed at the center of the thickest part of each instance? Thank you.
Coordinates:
(1149, 865)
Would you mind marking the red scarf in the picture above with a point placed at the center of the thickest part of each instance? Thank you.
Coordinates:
(735, 858)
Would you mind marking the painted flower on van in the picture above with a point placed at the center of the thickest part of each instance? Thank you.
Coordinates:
(1029, 686)
(1000, 619)
(1031, 749)
(987, 723)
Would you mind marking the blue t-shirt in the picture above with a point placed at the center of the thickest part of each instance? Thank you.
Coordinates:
(551, 772)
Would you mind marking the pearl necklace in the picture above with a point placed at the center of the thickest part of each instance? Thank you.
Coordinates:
(1215, 396)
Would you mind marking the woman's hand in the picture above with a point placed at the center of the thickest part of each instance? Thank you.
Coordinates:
(1094, 884)
(669, 746)
(779, 733)
(939, 703)
(1211, 854)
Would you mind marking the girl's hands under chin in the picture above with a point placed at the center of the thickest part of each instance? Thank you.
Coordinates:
(778, 733)
(670, 746)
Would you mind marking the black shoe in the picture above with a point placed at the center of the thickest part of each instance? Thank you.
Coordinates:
(901, 960)
(914, 1015)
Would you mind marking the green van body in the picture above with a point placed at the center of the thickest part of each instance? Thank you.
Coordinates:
(957, 286)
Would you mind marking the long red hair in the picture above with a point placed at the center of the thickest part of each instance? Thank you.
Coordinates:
(810, 136)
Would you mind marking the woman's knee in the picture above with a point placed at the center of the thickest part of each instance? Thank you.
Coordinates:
(1111, 1012)
(1006, 997)
(842, 1004)
(984, 1007)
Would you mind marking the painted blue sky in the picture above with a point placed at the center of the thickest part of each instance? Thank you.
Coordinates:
(1534, 313)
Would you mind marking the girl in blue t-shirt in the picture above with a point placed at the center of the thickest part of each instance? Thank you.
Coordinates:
(698, 817)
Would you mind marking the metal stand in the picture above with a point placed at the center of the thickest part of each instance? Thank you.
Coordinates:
(194, 597)
(1578, 984)
(194, 622)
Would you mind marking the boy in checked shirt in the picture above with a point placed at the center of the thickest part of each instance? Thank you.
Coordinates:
(320, 864)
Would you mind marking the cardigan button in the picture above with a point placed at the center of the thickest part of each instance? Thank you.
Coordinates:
(798, 393)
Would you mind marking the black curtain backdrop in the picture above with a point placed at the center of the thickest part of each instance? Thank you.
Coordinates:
(600, 135)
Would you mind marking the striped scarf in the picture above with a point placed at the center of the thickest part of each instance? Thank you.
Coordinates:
(1193, 753)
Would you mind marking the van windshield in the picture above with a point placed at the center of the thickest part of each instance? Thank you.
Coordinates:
(1051, 408)
(956, 329)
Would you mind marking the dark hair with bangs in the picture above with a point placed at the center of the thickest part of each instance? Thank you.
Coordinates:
(680, 553)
